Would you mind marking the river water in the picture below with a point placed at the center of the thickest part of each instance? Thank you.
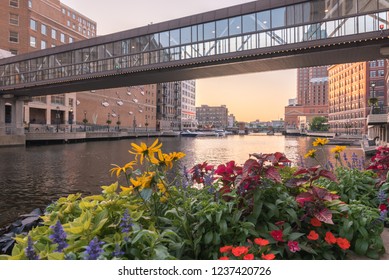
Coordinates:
(35, 176)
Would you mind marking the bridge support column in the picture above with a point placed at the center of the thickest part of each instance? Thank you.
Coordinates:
(17, 116)
(2, 116)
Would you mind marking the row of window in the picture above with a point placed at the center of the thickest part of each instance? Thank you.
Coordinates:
(81, 20)
(44, 30)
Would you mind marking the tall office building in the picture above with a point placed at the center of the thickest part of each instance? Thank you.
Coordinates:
(27, 26)
(312, 96)
(176, 105)
(351, 86)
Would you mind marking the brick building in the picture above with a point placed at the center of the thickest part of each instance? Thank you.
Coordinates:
(312, 96)
(212, 116)
(350, 88)
(27, 26)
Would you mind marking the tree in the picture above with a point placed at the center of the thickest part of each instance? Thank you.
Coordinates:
(319, 124)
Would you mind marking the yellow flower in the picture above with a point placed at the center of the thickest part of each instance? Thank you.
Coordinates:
(338, 149)
(126, 190)
(123, 169)
(311, 153)
(176, 155)
(143, 151)
(320, 142)
(143, 181)
(161, 187)
(164, 198)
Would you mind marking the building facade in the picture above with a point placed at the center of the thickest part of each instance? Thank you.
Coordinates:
(350, 88)
(210, 117)
(312, 96)
(176, 105)
(27, 26)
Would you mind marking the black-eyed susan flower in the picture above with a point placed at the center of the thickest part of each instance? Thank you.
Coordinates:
(320, 142)
(311, 154)
(123, 169)
(143, 151)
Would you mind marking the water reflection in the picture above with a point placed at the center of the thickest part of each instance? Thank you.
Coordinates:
(35, 176)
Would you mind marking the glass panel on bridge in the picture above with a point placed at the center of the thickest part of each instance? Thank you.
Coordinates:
(314, 20)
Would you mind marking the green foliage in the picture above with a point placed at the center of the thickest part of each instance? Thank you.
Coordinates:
(263, 209)
(319, 124)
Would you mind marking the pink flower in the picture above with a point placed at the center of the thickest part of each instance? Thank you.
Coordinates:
(277, 235)
(293, 246)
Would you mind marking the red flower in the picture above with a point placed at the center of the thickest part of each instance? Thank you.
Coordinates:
(268, 257)
(293, 246)
(224, 258)
(248, 257)
(330, 238)
(277, 235)
(240, 250)
(315, 222)
(383, 207)
(343, 243)
(225, 249)
(261, 242)
(313, 235)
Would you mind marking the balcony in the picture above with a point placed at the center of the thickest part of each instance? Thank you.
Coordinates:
(379, 116)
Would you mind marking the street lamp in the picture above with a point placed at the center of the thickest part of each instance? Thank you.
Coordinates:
(146, 124)
(372, 100)
(118, 122)
(134, 123)
(85, 120)
(71, 119)
(108, 121)
(57, 116)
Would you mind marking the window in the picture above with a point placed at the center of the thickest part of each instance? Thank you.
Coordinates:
(14, 37)
(62, 38)
(43, 29)
(54, 34)
(58, 99)
(43, 45)
(30, 3)
(14, 52)
(32, 41)
(14, 19)
(33, 24)
(372, 73)
(381, 73)
(14, 3)
(71, 40)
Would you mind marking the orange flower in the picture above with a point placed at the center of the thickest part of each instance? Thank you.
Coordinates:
(330, 238)
(268, 257)
(240, 250)
(225, 249)
(343, 243)
(315, 222)
(261, 242)
(224, 258)
(313, 235)
(248, 257)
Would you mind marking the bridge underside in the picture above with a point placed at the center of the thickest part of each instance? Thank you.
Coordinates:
(277, 58)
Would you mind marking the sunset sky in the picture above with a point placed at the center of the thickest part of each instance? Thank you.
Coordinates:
(249, 97)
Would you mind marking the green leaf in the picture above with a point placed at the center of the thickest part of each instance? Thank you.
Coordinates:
(361, 246)
(55, 256)
(363, 232)
(208, 237)
(295, 235)
(223, 226)
(218, 216)
(146, 194)
(110, 189)
(307, 249)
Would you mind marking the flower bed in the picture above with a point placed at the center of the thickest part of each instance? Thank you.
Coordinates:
(263, 209)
